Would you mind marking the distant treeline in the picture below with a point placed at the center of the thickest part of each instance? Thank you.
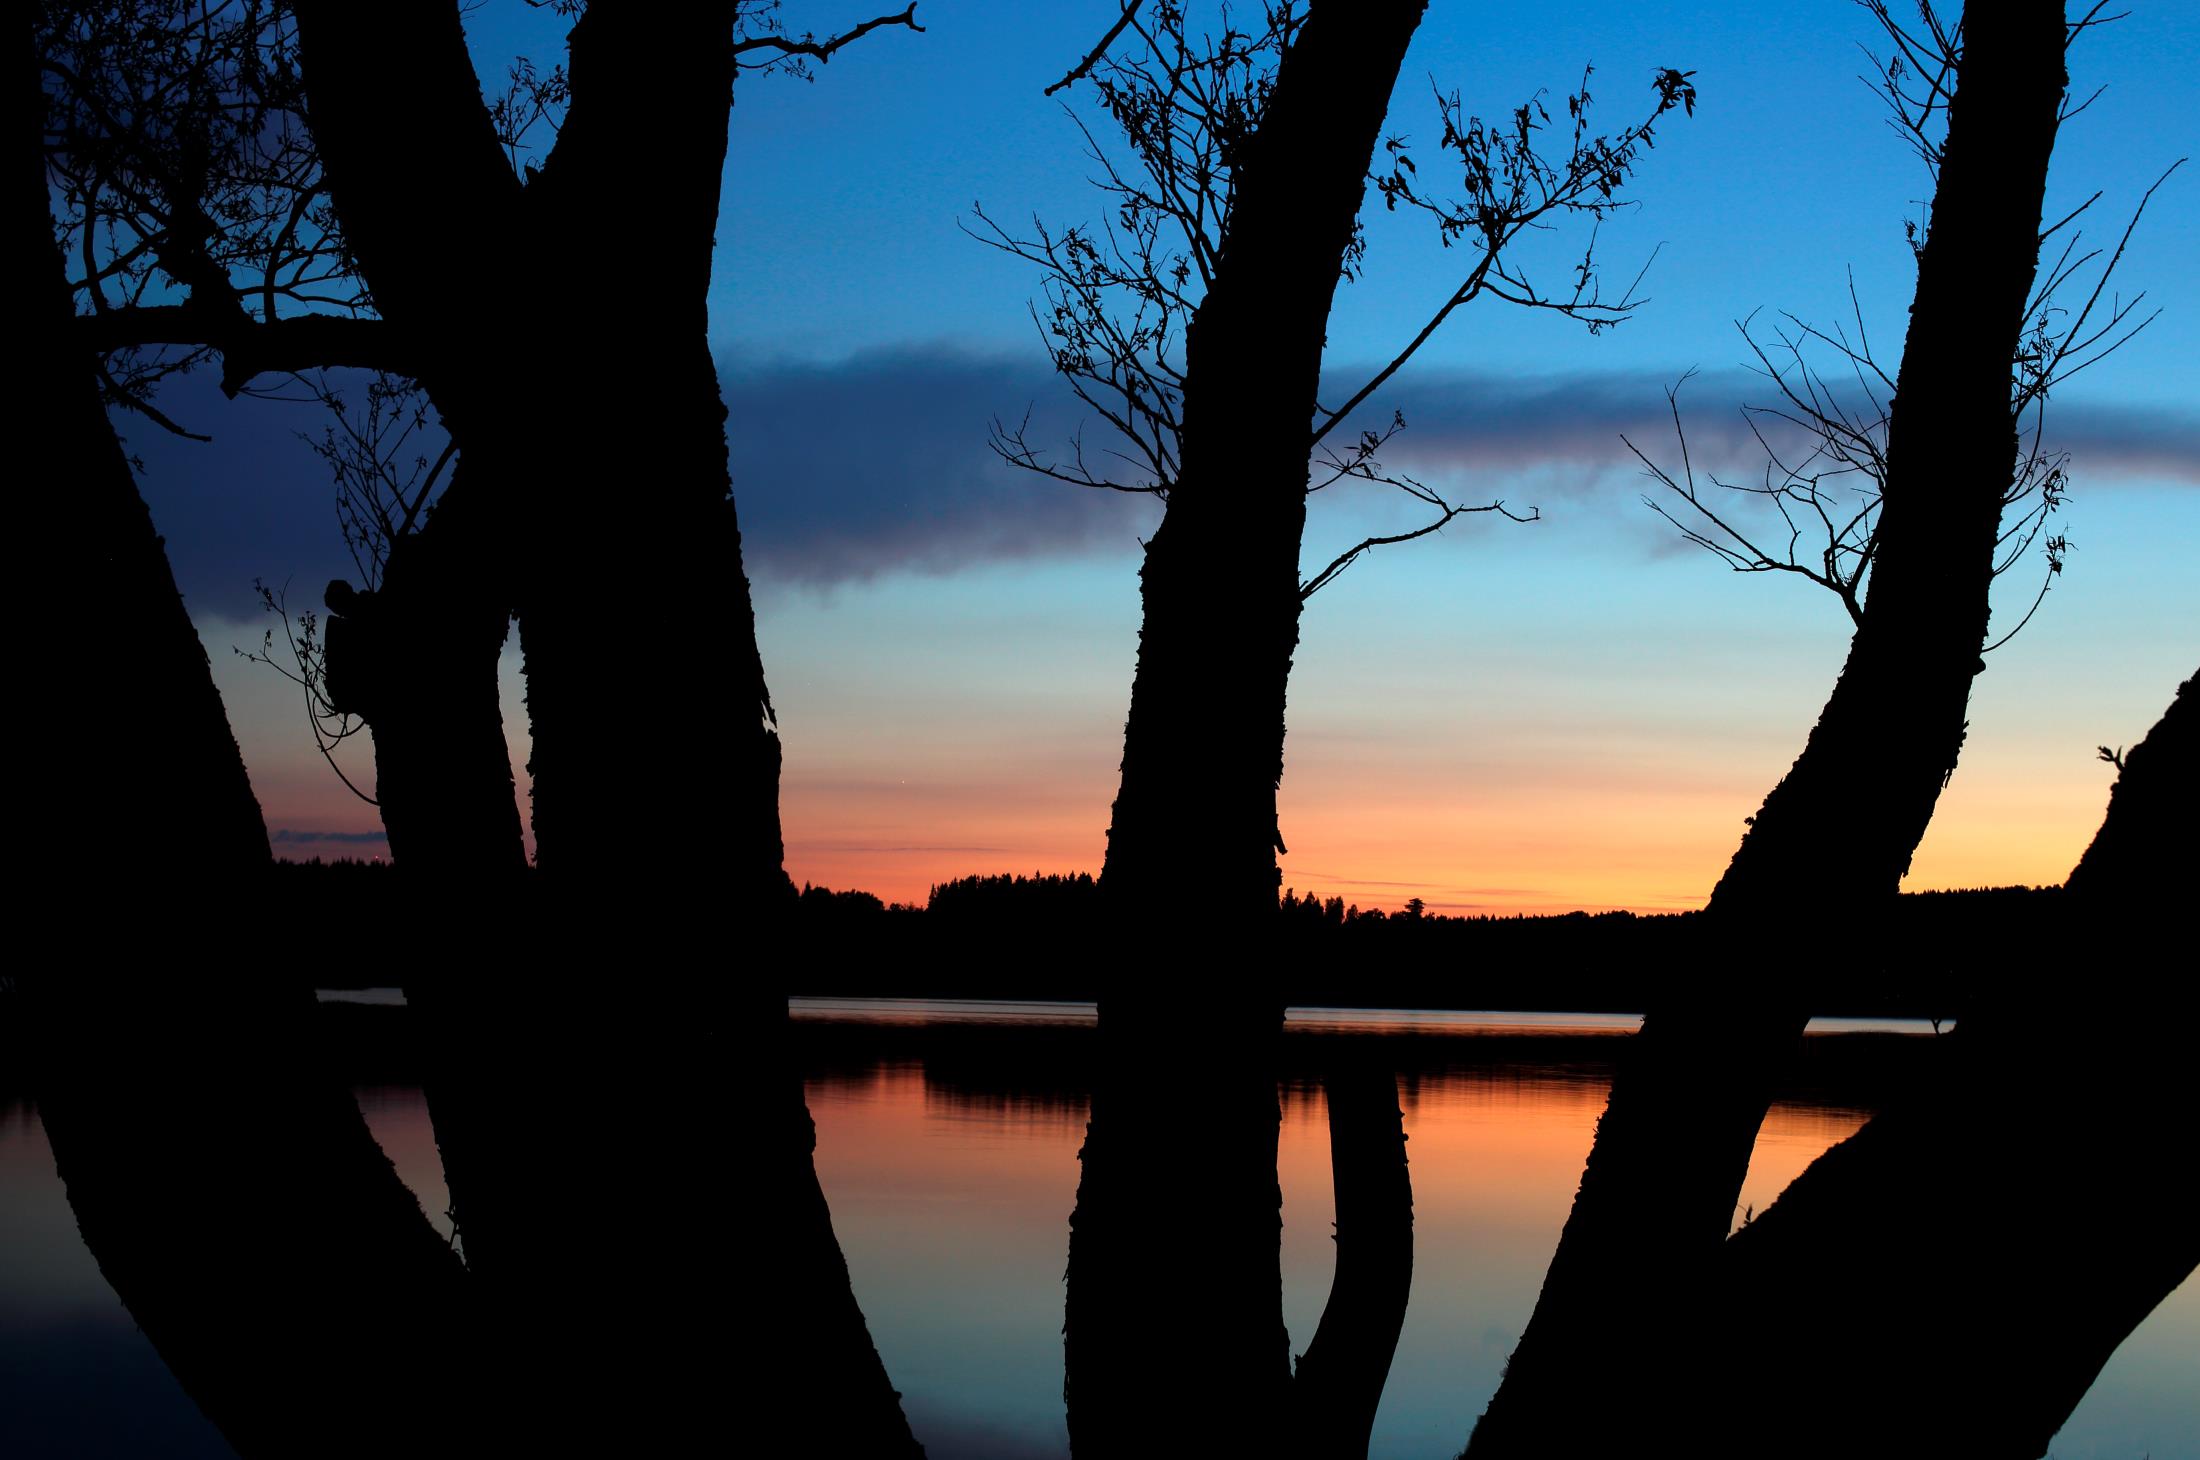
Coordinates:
(1015, 936)
(1003, 936)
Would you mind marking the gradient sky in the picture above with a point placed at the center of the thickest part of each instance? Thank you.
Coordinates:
(1574, 713)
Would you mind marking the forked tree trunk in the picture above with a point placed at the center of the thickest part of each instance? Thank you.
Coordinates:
(130, 742)
(1826, 853)
(1174, 1332)
(588, 412)
(1973, 1256)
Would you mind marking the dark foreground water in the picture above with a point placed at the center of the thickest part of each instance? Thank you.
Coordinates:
(947, 1144)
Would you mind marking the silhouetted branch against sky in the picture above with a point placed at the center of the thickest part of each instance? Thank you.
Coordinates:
(188, 189)
(775, 42)
(1119, 296)
(1813, 509)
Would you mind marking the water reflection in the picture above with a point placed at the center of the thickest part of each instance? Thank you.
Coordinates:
(948, 1149)
(949, 1153)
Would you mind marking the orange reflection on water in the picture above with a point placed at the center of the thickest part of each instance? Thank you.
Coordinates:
(952, 1206)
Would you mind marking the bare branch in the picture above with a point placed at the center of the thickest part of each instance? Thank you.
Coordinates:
(136, 400)
(1449, 511)
(305, 649)
(1118, 298)
(1079, 71)
(811, 48)
(248, 348)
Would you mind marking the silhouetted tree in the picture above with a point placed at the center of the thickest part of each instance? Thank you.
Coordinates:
(1968, 1264)
(588, 482)
(1194, 324)
(131, 735)
(626, 396)
(1836, 835)
(606, 476)
(189, 187)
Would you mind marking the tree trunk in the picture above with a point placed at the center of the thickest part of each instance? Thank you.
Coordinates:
(238, 1205)
(417, 660)
(1173, 1334)
(1834, 838)
(2141, 858)
(1174, 1313)
(135, 744)
(697, 1295)
(1340, 1378)
(1970, 1261)
(593, 427)
(1203, 748)
(619, 783)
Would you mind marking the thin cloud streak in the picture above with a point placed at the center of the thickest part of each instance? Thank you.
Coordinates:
(878, 463)
(1468, 420)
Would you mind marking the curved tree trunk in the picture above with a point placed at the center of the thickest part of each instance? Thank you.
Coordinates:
(1203, 747)
(133, 741)
(1174, 1310)
(243, 1213)
(699, 1294)
(1835, 836)
(1970, 1256)
(1340, 1378)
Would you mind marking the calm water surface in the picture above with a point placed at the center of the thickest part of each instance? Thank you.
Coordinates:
(947, 1145)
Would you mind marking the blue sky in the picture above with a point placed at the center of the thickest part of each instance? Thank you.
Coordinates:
(1577, 712)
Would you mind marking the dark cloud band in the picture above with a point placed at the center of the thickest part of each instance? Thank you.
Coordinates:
(879, 463)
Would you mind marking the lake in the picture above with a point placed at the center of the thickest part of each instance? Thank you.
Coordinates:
(947, 1145)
